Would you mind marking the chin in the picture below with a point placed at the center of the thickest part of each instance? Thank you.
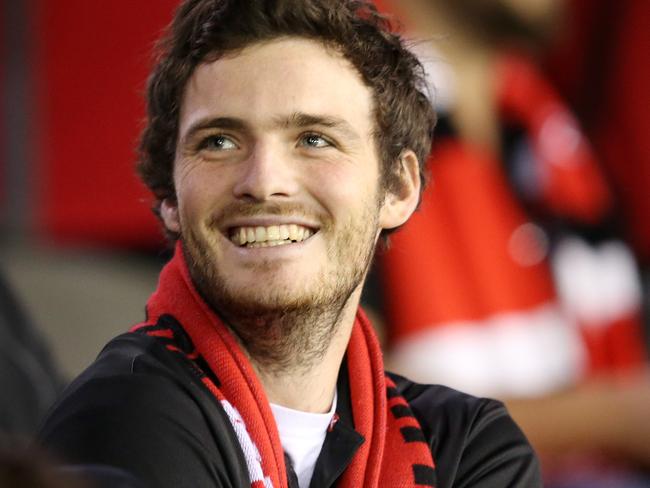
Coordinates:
(271, 277)
(270, 296)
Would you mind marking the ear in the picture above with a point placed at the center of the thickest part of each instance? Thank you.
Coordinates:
(401, 202)
(169, 215)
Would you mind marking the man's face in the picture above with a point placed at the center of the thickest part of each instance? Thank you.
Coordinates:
(277, 178)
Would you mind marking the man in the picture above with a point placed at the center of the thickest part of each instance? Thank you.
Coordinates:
(283, 138)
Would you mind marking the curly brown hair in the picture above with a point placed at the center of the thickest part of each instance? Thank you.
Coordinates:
(205, 30)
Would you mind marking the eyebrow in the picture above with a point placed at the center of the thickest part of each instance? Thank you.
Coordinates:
(302, 120)
(296, 120)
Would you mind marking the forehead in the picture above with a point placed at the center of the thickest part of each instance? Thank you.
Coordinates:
(275, 79)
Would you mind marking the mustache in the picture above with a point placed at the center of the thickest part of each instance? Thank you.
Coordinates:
(254, 209)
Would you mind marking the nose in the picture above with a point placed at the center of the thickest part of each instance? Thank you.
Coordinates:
(266, 174)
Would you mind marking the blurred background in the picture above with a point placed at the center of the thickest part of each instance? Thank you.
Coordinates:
(525, 273)
(79, 244)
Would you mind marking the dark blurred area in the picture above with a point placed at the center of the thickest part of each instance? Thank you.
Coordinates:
(28, 375)
(539, 191)
(26, 469)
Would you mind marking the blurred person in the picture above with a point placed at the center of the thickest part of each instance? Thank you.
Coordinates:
(283, 138)
(511, 281)
(599, 62)
(29, 378)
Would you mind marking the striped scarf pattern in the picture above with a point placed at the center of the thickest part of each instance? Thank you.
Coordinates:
(395, 452)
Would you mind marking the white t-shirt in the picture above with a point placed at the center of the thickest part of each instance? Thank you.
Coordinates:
(302, 435)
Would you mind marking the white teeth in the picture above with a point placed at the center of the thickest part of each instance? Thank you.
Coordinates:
(268, 243)
(278, 243)
(293, 232)
(273, 235)
(260, 234)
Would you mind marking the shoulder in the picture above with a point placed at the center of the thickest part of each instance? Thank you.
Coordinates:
(474, 441)
(131, 369)
(441, 409)
(140, 408)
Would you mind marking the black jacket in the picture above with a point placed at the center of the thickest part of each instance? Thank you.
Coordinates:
(144, 410)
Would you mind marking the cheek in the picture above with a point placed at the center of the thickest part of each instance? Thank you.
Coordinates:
(343, 187)
(198, 189)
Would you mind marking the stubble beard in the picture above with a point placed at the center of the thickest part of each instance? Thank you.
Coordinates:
(283, 331)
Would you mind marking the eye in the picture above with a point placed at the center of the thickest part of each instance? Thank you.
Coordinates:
(314, 140)
(217, 142)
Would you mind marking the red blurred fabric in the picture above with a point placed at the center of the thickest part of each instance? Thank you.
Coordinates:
(450, 263)
(601, 67)
(574, 185)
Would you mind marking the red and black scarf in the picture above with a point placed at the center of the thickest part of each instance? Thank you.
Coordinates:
(394, 453)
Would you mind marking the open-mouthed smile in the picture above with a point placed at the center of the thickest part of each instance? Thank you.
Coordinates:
(268, 236)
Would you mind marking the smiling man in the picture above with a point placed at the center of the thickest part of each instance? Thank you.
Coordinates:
(283, 138)
(279, 203)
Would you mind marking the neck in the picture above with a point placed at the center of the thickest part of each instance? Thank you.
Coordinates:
(311, 388)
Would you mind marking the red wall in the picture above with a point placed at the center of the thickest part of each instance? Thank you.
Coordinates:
(90, 66)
